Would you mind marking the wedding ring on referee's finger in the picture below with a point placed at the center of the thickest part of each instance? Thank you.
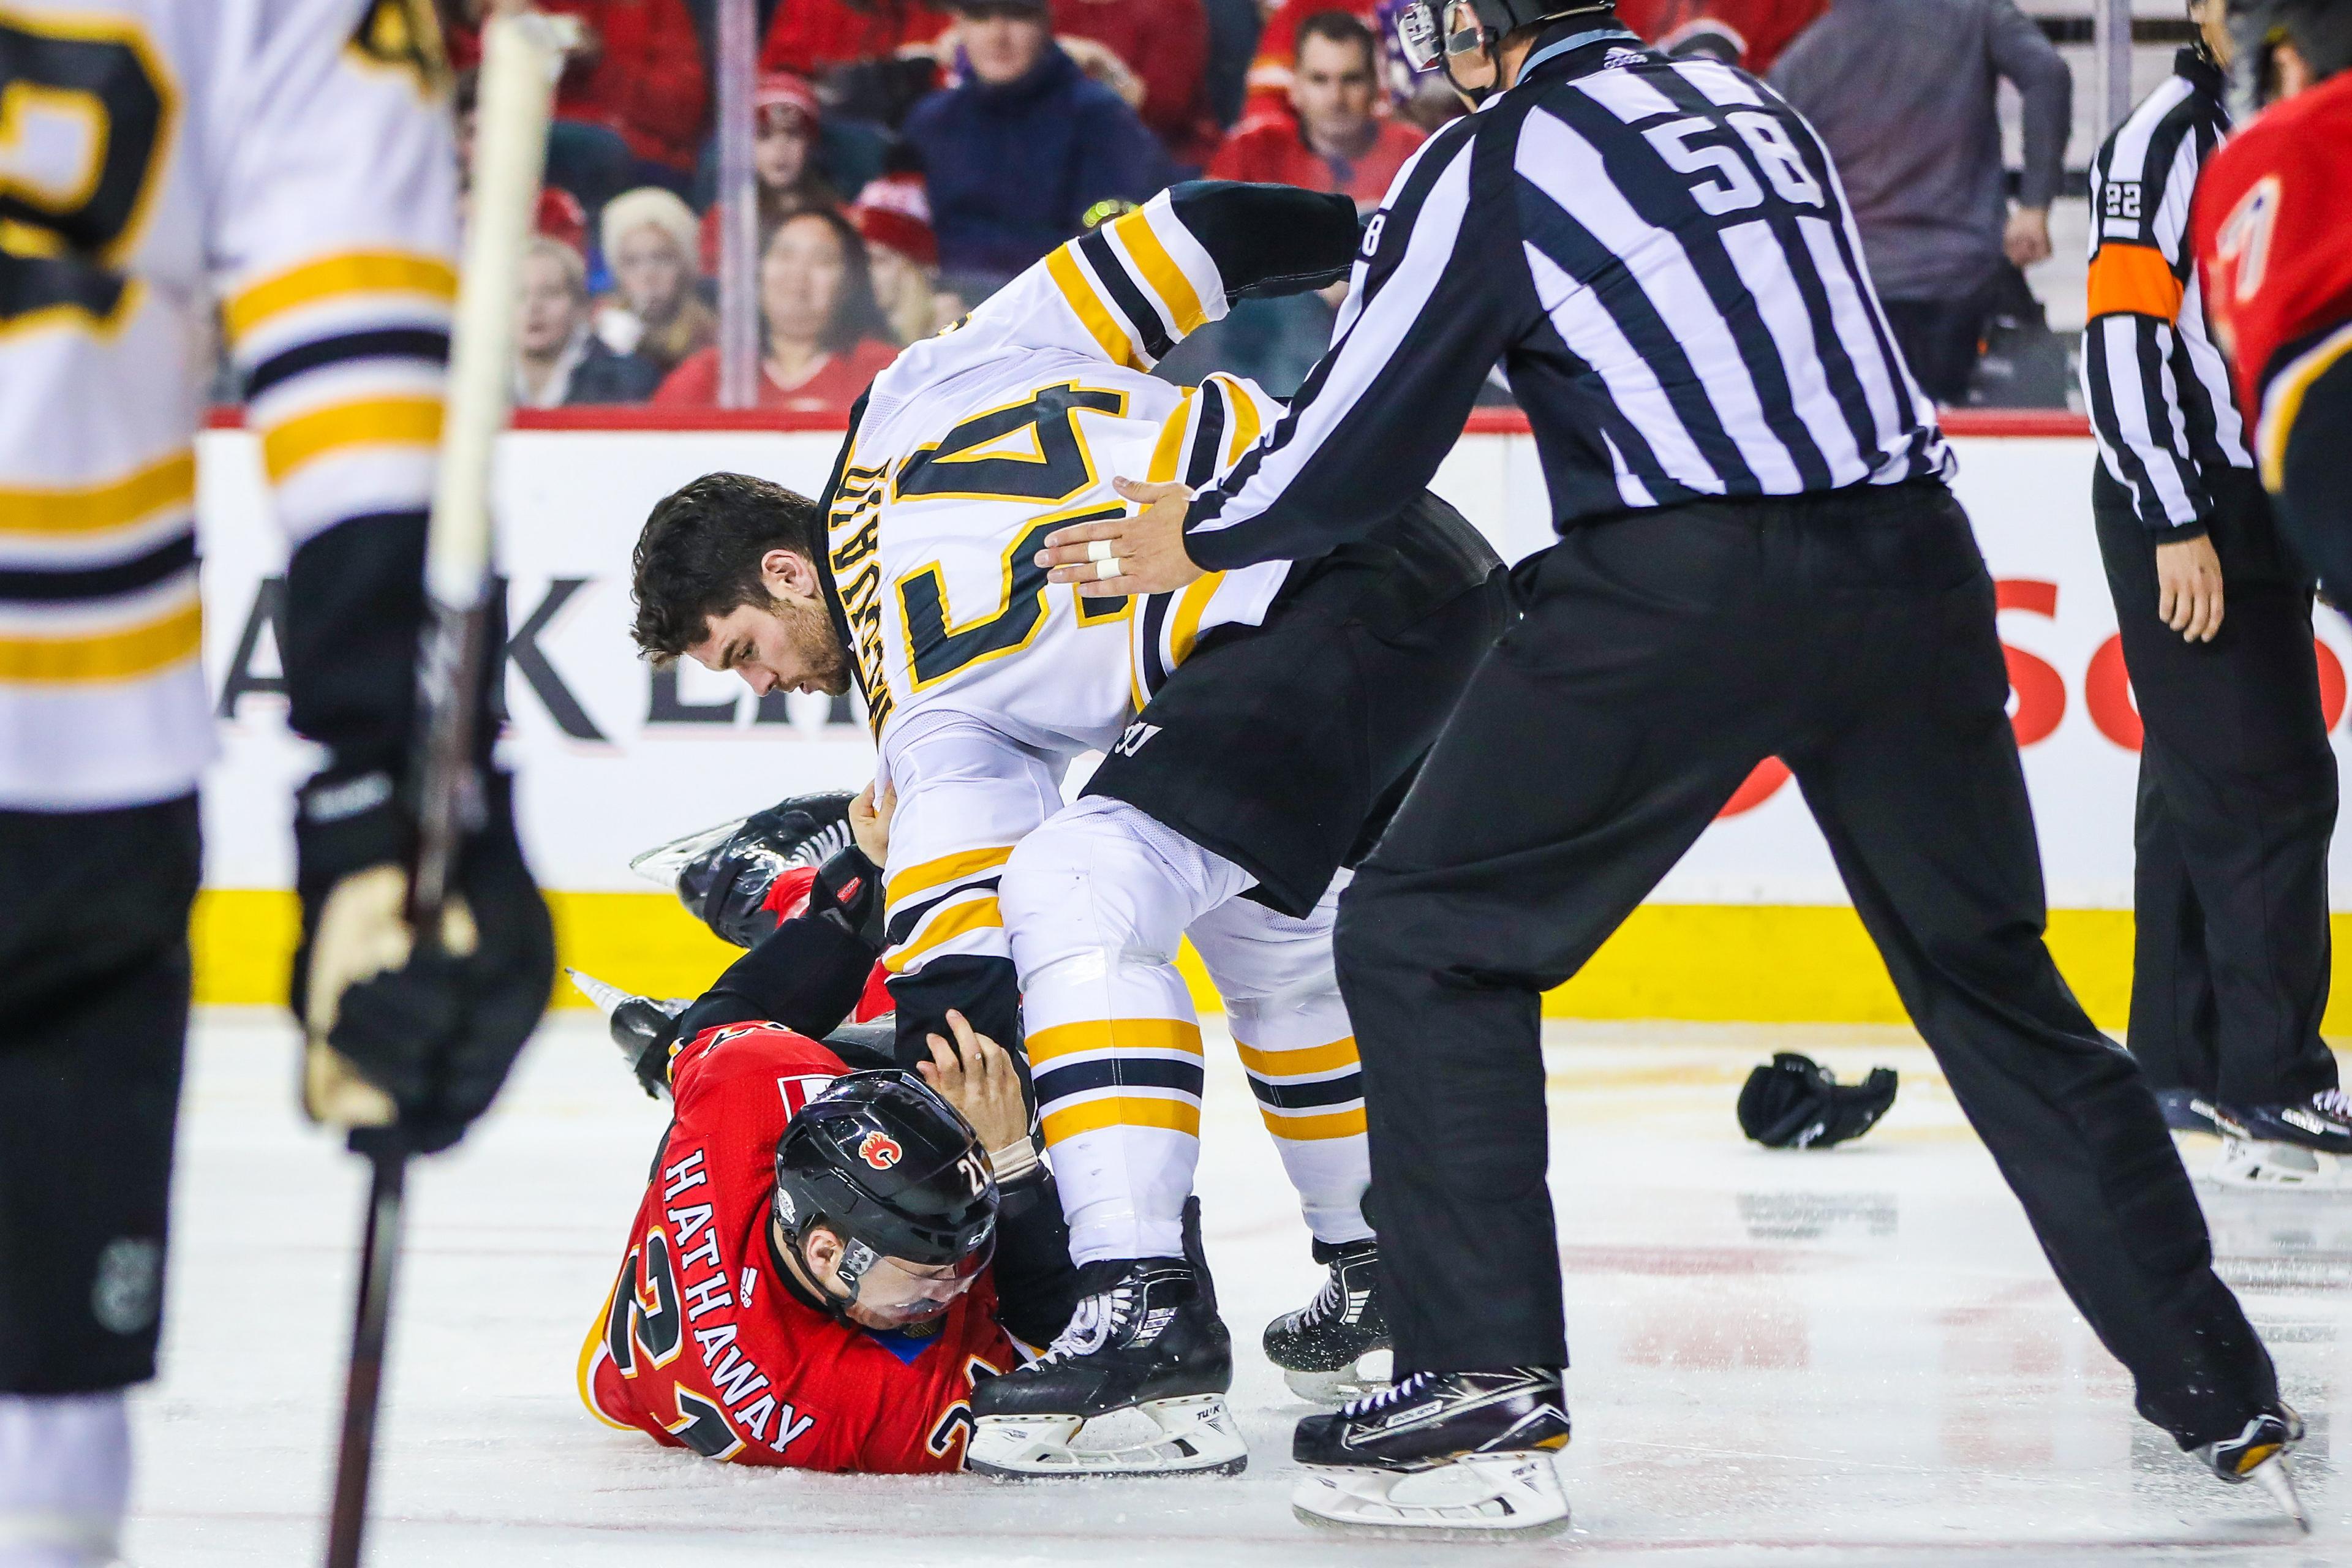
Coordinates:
(1109, 566)
(1102, 550)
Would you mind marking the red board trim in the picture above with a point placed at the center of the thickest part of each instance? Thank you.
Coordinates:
(1972, 422)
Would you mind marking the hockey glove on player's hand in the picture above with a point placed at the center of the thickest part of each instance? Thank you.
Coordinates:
(397, 1037)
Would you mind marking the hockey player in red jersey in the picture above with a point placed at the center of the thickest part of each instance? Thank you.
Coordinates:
(2271, 226)
(825, 1261)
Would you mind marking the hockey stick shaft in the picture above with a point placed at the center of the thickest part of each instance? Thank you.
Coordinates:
(521, 56)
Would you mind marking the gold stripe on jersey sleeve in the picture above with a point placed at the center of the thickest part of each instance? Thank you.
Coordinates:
(1245, 423)
(1184, 625)
(106, 655)
(1087, 306)
(955, 921)
(1122, 1111)
(947, 868)
(373, 422)
(354, 272)
(165, 484)
(2283, 402)
(1160, 271)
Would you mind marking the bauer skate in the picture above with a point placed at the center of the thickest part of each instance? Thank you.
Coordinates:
(2307, 1144)
(2260, 1454)
(640, 1027)
(1146, 1337)
(1462, 1454)
(1324, 1347)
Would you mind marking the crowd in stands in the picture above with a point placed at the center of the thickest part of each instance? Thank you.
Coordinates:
(910, 156)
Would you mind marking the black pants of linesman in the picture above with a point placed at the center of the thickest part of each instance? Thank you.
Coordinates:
(1660, 659)
(93, 1018)
(2237, 803)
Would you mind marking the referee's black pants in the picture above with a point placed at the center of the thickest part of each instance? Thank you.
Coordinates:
(2237, 804)
(1660, 659)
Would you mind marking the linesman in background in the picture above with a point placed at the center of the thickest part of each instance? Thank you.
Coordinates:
(2237, 782)
(1760, 557)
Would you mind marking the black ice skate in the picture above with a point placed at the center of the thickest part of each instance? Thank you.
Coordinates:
(1321, 1346)
(1440, 1452)
(1146, 1336)
(2185, 1110)
(2258, 1454)
(641, 1028)
(2308, 1144)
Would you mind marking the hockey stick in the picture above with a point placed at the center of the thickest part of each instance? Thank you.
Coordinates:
(520, 54)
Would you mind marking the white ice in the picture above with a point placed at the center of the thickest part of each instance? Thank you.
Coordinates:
(1855, 1356)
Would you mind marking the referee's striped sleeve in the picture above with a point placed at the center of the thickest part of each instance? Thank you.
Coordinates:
(1430, 309)
(2138, 284)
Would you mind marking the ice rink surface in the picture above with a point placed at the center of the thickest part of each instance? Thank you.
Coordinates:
(1850, 1357)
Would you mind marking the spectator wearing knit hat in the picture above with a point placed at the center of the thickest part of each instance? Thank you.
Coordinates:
(1334, 140)
(823, 339)
(1020, 148)
(656, 307)
(784, 169)
(893, 215)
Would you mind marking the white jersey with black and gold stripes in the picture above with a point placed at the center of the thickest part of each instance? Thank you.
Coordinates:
(283, 168)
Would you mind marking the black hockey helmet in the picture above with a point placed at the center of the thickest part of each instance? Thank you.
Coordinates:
(883, 1161)
(2320, 30)
(723, 874)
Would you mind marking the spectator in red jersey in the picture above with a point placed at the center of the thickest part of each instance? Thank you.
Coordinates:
(632, 104)
(784, 171)
(1166, 43)
(1750, 34)
(1278, 49)
(893, 215)
(559, 363)
(657, 308)
(811, 37)
(825, 337)
(1334, 142)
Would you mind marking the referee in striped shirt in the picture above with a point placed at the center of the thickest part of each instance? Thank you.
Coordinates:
(2237, 783)
(1759, 557)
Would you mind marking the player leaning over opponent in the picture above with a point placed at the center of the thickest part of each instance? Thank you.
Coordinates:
(1282, 711)
(823, 1238)
(290, 160)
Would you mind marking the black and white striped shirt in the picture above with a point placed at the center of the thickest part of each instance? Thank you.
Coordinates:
(2158, 389)
(1660, 255)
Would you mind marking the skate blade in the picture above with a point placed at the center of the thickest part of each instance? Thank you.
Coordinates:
(1369, 1374)
(1197, 1436)
(2279, 1482)
(1486, 1497)
(2251, 1164)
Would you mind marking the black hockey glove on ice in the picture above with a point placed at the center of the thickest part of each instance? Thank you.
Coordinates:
(419, 1041)
(1796, 1103)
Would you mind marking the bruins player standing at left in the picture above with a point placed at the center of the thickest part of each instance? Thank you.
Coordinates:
(291, 162)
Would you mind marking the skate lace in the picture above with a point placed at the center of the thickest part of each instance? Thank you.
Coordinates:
(1327, 1304)
(2333, 1102)
(1381, 1399)
(1095, 1323)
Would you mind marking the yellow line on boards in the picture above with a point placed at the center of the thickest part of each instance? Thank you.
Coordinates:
(1729, 962)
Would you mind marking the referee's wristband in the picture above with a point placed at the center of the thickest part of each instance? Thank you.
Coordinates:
(1015, 1162)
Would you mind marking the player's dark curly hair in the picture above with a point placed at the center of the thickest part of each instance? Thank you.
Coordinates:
(698, 555)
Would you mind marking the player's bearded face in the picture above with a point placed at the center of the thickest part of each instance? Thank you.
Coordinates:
(785, 645)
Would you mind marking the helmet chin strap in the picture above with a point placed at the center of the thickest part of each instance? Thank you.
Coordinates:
(1482, 39)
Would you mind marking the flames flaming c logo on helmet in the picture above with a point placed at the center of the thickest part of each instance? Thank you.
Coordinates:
(879, 1150)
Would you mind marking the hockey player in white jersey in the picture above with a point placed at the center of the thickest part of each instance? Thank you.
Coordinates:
(288, 163)
(1258, 729)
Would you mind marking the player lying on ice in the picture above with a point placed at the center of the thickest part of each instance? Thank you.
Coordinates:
(1259, 728)
(824, 1261)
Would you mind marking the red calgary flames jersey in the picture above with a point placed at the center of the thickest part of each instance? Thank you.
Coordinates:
(2272, 227)
(701, 1346)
